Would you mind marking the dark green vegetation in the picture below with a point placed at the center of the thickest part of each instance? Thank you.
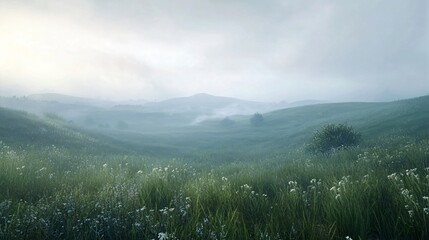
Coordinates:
(332, 137)
(257, 120)
(210, 181)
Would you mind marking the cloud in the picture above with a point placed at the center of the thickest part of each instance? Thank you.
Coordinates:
(260, 50)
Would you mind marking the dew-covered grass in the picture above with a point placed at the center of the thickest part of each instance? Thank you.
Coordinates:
(377, 191)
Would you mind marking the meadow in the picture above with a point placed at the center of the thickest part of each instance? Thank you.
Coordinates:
(378, 190)
(59, 180)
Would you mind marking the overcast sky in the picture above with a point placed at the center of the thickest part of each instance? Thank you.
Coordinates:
(251, 49)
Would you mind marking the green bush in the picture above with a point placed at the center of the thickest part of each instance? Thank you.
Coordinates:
(227, 122)
(257, 120)
(334, 136)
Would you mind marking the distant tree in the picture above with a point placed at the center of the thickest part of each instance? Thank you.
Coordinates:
(257, 120)
(227, 122)
(333, 136)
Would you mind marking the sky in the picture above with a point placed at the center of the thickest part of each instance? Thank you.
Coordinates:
(274, 50)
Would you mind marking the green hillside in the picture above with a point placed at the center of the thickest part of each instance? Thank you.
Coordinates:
(168, 135)
(371, 119)
(18, 128)
(213, 181)
(288, 129)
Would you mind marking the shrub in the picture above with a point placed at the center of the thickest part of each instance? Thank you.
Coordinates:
(227, 122)
(334, 136)
(257, 120)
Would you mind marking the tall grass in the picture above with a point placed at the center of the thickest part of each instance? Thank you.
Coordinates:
(378, 191)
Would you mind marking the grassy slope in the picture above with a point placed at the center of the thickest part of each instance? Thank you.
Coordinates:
(19, 128)
(377, 192)
(283, 130)
(373, 192)
(371, 119)
(291, 128)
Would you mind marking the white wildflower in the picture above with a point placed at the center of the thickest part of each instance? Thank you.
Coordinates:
(411, 213)
(162, 236)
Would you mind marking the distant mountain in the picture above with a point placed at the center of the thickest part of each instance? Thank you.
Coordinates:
(205, 104)
(140, 115)
(199, 104)
(303, 103)
(134, 102)
(67, 99)
(68, 107)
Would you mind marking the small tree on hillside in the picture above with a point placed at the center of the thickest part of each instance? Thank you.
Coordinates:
(227, 122)
(334, 136)
(257, 120)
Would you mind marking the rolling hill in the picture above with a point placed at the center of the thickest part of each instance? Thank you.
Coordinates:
(291, 128)
(168, 134)
(139, 116)
(67, 99)
(208, 104)
(19, 128)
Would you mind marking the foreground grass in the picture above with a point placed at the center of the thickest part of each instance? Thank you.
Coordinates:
(377, 192)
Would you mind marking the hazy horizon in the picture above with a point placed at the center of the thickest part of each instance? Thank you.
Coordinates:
(140, 101)
(259, 51)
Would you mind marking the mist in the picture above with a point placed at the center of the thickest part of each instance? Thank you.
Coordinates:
(268, 52)
(214, 119)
